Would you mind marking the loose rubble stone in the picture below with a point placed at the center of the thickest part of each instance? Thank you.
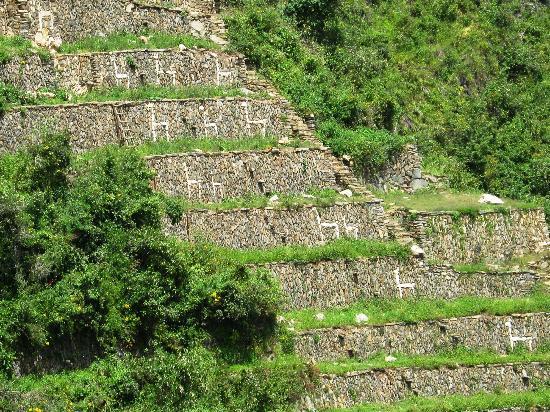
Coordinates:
(490, 199)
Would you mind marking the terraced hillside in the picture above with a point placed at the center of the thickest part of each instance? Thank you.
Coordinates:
(385, 304)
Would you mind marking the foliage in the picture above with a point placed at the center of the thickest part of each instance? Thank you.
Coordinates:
(17, 46)
(193, 380)
(83, 254)
(469, 80)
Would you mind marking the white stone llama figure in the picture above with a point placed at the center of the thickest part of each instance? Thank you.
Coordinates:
(402, 286)
(119, 76)
(326, 225)
(527, 339)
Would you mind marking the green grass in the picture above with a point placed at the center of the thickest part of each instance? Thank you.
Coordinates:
(17, 46)
(478, 402)
(127, 41)
(321, 197)
(459, 356)
(206, 144)
(431, 201)
(382, 311)
(336, 249)
(514, 264)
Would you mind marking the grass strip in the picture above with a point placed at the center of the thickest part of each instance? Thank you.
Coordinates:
(434, 201)
(344, 248)
(477, 402)
(514, 264)
(17, 46)
(128, 41)
(316, 197)
(380, 311)
(453, 358)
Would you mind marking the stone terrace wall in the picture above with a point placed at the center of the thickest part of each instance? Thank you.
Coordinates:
(206, 7)
(79, 73)
(403, 171)
(394, 384)
(270, 227)
(130, 123)
(491, 236)
(334, 283)
(236, 174)
(70, 21)
(475, 332)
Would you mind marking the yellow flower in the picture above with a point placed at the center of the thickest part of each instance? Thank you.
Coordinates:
(126, 306)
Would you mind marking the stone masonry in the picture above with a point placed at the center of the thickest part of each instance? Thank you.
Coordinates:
(80, 73)
(44, 19)
(394, 384)
(93, 125)
(340, 283)
(423, 338)
(211, 177)
(491, 236)
(270, 227)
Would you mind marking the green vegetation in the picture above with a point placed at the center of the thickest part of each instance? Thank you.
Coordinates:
(467, 80)
(458, 356)
(337, 249)
(382, 311)
(11, 96)
(83, 256)
(451, 200)
(206, 144)
(16, 46)
(193, 381)
(479, 402)
(514, 264)
(128, 41)
(320, 197)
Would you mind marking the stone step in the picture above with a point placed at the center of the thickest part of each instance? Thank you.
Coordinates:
(92, 125)
(453, 237)
(270, 227)
(394, 384)
(81, 73)
(211, 177)
(340, 283)
(497, 333)
(61, 20)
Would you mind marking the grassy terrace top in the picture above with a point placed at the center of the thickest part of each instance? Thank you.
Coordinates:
(143, 93)
(430, 201)
(381, 311)
(451, 358)
(337, 249)
(478, 402)
(15, 46)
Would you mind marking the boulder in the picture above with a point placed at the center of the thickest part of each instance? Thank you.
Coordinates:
(490, 199)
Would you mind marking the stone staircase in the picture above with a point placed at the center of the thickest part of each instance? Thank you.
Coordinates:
(216, 176)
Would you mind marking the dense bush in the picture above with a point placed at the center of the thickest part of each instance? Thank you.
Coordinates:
(467, 79)
(82, 253)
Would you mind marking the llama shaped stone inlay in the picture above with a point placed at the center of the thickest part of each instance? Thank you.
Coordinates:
(119, 76)
(250, 123)
(403, 286)
(208, 124)
(160, 71)
(223, 76)
(191, 184)
(156, 125)
(526, 338)
(326, 225)
(351, 230)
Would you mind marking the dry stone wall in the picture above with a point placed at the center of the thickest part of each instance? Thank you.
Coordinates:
(214, 176)
(403, 171)
(394, 384)
(80, 73)
(491, 236)
(44, 19)
(497, 333)
(270, 227)
(92, 125)
(339, 283)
